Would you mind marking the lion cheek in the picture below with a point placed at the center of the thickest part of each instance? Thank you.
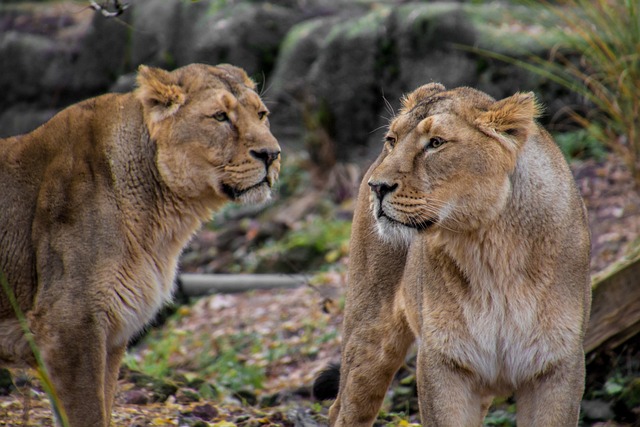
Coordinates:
(183, 177)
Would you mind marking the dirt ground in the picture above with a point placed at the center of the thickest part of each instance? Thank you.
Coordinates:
(614, 212)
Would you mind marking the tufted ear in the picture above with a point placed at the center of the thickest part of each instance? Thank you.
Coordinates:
(411, 100)
(159, 93)
(510, 120)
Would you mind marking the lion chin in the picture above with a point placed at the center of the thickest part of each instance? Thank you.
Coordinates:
(394, 232)
(257, 194)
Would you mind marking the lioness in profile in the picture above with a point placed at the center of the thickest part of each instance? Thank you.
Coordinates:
(470, 236)
(97, 205)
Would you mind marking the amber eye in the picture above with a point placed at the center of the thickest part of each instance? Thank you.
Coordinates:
(220, 116)
(435, 142)
(390, 140)
(262, 115)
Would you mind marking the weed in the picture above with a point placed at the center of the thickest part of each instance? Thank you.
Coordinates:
(47, 384)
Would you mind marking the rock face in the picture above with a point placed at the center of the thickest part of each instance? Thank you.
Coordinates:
(327, 64)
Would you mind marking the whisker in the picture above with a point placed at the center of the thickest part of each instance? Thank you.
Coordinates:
(377, 129)
(388, 104)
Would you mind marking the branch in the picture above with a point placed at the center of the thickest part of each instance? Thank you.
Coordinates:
(119, 8)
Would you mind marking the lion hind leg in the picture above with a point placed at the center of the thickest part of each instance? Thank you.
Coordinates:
(76, 370)
(114, 358)
(15, 350)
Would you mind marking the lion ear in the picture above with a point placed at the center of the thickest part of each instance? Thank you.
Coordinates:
(239, 74)
(511, 120)
(159, 93)
(411, 100)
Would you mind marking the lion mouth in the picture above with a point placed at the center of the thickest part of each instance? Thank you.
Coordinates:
(235, 193)
(418, 225)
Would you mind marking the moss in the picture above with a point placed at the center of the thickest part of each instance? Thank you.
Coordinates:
(499, 28)
(630, 395)
(299, 32)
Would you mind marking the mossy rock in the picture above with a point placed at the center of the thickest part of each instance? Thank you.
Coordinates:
(160, 389)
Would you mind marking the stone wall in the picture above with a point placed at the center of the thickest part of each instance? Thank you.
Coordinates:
(332, 63)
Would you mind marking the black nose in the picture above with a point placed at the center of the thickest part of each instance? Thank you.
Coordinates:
(267, 156)
(382, 188)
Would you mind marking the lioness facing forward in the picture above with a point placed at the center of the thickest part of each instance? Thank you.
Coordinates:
(97, 205)
(481, 253)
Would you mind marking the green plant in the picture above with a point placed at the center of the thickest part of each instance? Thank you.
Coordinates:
(581, 144)
(228, 367)
(500, 418)
(221, 360)
(597, 57)
(320, 239)
(47, 384)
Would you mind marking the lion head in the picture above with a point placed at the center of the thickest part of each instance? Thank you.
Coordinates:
(447, 160)
(212, 132)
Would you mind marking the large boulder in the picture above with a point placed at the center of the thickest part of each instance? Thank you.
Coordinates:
(44, 69)
(156, 31)
(334, 69)
(244, 34)
(173, 33)
(346, 71)
(342, 67)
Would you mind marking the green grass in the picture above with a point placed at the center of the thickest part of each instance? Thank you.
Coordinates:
(232, 362)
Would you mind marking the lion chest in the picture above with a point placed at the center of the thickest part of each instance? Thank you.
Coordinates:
(496, 336)
(493, 324)
(139, 291)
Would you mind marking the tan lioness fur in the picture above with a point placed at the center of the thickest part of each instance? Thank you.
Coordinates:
(97, 205)
(470, 237)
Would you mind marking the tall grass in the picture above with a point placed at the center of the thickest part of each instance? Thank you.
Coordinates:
(597, 57)
(41, 368)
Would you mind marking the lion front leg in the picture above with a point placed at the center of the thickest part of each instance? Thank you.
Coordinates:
(369, 361)
(554, 397)
(376, 335)
(448, 396)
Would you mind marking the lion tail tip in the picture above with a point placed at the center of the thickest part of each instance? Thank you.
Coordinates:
(327, 383)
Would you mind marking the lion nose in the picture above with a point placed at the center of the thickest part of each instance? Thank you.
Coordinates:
(267, 156)
(382, 188)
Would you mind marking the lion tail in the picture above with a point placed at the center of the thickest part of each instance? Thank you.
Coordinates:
(327, 383)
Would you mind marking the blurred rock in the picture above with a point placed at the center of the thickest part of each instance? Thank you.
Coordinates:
(328, 65)
(205, 412)
(156, 31)
(136, 397)
(26, 58)
(6, 384)
(187, 395)
(596, 410)
(21, 119)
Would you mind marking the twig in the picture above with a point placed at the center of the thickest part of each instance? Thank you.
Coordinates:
(119, 8)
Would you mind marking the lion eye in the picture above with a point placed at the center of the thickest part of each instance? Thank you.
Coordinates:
(390, 140)
(435, 142)
(220, 116)
(262, 115)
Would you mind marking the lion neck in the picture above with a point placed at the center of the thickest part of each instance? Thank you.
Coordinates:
(514, 246)
(158, 222)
